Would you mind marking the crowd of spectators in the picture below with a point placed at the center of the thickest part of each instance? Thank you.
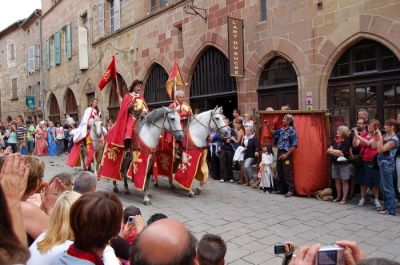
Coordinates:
(254, 163)
(84, 226)
(42, 139)
(368, 155)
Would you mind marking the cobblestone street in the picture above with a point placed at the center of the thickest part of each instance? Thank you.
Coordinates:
(252, 222)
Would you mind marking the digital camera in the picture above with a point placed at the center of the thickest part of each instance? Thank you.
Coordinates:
(330, 255)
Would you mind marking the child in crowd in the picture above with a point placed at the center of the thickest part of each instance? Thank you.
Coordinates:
(265, 171)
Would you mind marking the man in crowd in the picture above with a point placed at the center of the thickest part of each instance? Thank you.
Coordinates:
(236, 115)
(211, 250)
(85, 182)
(166, 241)
(286, 143)
(21, 133)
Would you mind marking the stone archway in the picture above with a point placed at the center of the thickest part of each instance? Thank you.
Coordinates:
(54, 109)
(366, 27)
(71, 107)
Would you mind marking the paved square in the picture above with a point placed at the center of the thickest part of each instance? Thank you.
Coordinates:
(252, 222)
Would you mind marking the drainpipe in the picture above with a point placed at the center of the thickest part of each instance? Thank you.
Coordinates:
(41, 64)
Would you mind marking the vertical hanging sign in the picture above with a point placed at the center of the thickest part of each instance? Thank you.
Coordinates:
(236, 47)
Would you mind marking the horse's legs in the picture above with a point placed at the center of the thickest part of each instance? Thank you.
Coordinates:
(171, 184)
(199, 189)
(146, 198)
(115, 189)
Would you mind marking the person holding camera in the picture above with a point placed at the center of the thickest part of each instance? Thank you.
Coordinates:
(387, 146)
(341, 168)
(369, 177)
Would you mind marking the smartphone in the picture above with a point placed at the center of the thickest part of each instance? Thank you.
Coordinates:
(279, 249)
(131, 219)
(330, 255)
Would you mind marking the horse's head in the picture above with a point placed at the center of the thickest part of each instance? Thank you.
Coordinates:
(217, 123)
(172, 123)
(96, 125)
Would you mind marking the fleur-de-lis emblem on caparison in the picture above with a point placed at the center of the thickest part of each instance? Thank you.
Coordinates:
(136, 159)
(185, 162)
(164, 161)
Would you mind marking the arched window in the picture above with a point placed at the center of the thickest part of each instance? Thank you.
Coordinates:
(54, 110)
(211, 83)
(278, 85)
(71, 108)
(113, 105)
(154, 92)
(366, 76)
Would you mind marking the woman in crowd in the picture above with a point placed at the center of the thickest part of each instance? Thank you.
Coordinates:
(59, 136)
(51, 140)
(341, 168)
(95, 218)
(387, 147)
(251, 145)
(58, 236)
(248, 121)
(41, 139)
(13, 184)
(369, 176)
(12, 137)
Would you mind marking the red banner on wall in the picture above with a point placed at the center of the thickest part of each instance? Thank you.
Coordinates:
(310, 160)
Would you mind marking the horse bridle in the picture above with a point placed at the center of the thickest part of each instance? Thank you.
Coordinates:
(212, 119)
(172, 129)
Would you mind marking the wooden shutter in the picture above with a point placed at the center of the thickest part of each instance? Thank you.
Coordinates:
(47, 54)
(31, 59)
(68, 36)
(101, 18)
(117, 18)
(37, 56)
(57, 48)
(83, 48)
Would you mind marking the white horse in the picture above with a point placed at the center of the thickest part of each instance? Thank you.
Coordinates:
(199, 127)
(149, 134)
(97, 137)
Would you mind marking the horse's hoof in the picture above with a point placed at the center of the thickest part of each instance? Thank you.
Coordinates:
(156, 184)
(115, 189)
(172, 188)
(147, 203)
(191, 194)
(127, 192)
(198, 191)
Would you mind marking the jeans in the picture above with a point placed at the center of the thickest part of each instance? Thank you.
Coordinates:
(386, 169)
(247, 170)
(30, 146)
(398, 172)
(60, 146)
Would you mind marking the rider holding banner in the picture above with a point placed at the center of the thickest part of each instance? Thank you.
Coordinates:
(121, 134)
(83, 133)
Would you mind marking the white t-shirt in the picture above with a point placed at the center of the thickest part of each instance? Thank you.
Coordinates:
(38, 258)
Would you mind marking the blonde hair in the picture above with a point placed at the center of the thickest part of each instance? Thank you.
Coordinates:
(344, 130)
(59, 227)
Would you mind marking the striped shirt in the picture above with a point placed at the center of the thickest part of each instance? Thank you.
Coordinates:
(21, 132)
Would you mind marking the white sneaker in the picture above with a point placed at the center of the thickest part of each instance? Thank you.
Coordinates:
(377, 203)
(231, 180)
(221, 180)
(361, 202)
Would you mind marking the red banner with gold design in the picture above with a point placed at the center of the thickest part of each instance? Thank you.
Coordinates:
(109, 75)
(189, 167)
(138, 168)
(165, 156)
(110, 165)
(74, 155)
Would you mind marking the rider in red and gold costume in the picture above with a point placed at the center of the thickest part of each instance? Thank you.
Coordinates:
(183, 108)
(121, 134)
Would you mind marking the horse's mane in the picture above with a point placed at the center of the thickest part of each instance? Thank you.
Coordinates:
(153, 115)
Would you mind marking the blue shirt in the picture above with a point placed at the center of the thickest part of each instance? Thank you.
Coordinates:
(391, 154)
(285, 138)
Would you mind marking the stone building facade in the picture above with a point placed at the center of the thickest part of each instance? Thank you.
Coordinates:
(310, 54)
(20, 68)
